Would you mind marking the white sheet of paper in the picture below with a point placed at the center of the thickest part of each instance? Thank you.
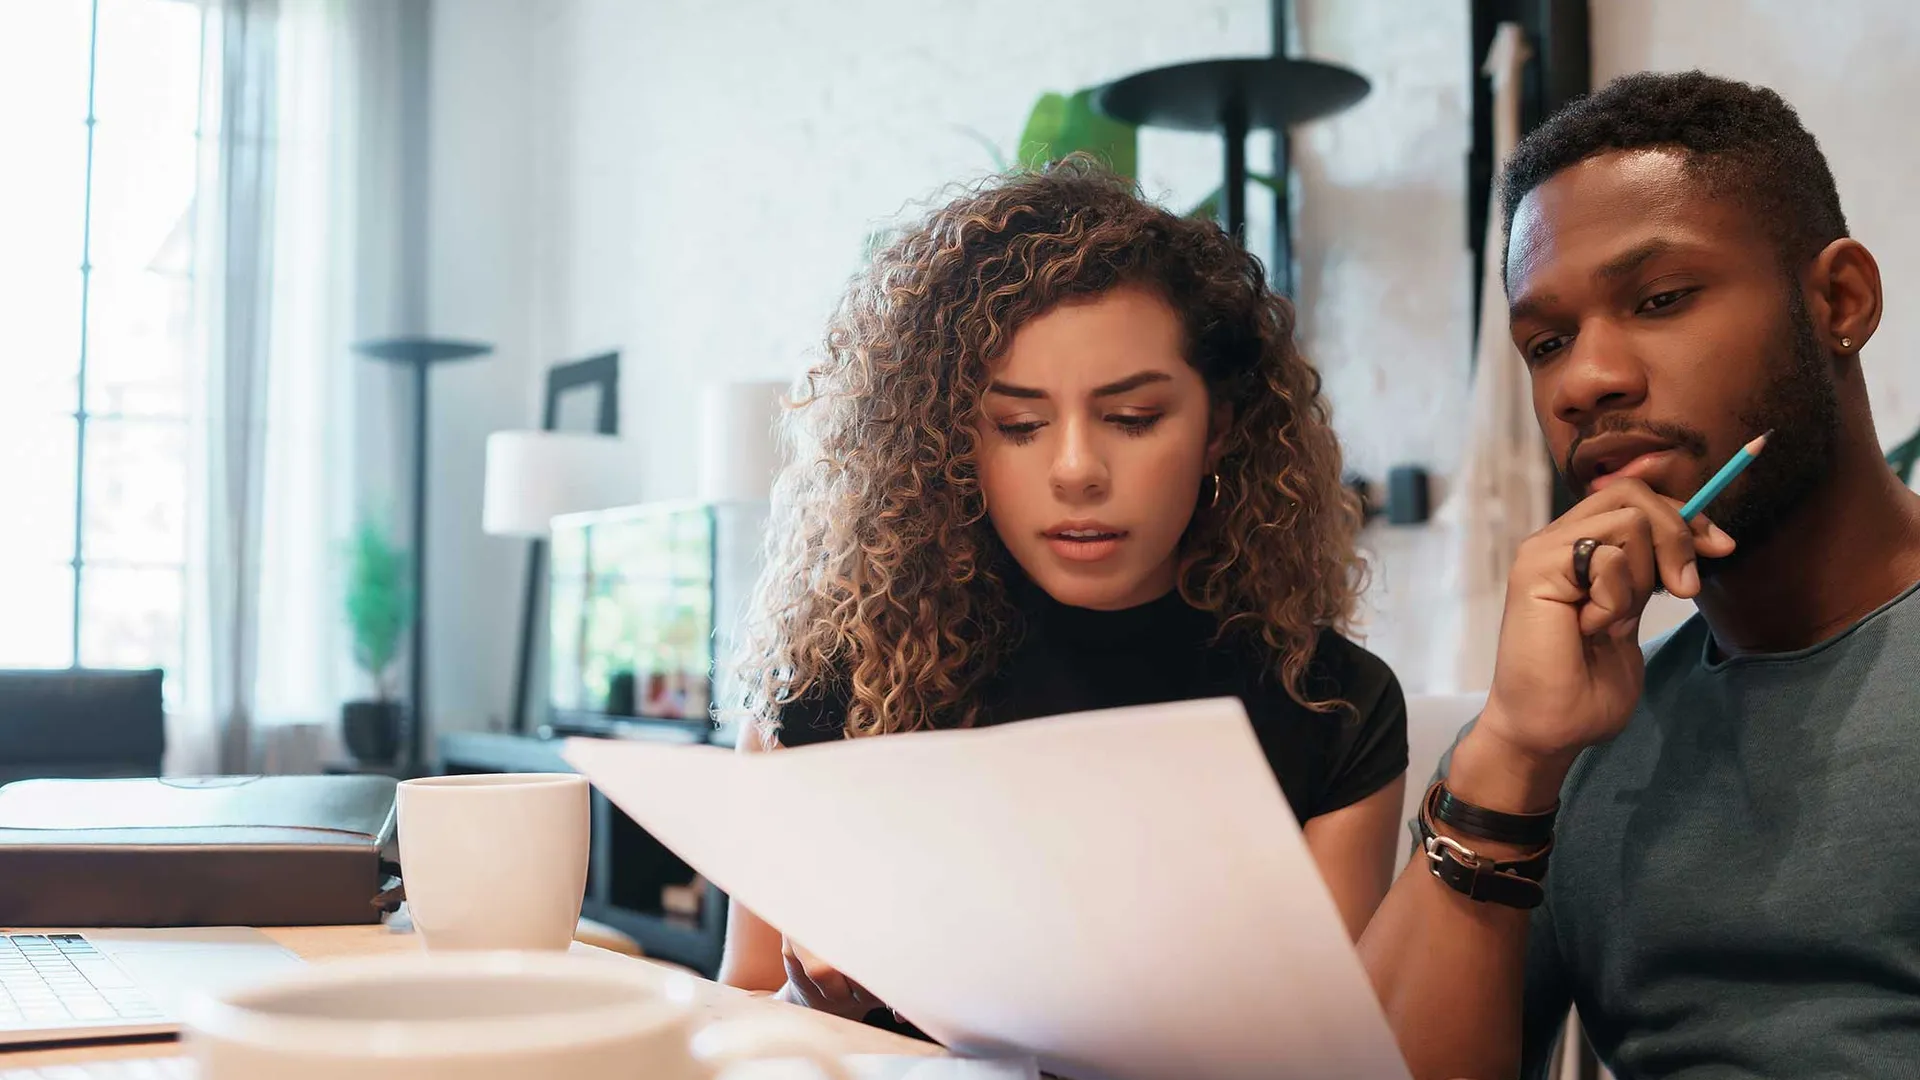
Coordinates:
(1124, 895)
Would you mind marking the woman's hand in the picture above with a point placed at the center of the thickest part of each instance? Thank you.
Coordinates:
(815, 984)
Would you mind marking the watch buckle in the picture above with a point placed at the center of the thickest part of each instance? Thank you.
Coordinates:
(1462, 854)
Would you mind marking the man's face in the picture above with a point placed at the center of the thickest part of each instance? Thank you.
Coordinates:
(1662, 334)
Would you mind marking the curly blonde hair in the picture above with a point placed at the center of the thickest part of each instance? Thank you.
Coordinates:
(885, 585)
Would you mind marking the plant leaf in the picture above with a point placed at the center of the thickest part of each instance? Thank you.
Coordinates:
(1208, 209)
(1113, 141)
(1063, 125)
(379, 600)
(1904, 457)
(1046, 130)
(1277, 185)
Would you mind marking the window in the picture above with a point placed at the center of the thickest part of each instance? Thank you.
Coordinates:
(99, 108)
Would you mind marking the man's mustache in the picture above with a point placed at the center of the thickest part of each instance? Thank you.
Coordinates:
(1686, 439)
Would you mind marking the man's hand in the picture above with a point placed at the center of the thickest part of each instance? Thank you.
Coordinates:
(1569, 669)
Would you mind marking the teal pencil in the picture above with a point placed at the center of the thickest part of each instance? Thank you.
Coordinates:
(1712, 489)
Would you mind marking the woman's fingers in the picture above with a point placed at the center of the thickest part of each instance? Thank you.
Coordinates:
(812, 973)
(821, 985)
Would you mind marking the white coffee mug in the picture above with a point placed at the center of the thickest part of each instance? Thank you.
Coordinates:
(494, 861)
(481, 1016)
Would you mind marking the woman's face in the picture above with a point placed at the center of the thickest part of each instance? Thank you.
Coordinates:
(1095, 436)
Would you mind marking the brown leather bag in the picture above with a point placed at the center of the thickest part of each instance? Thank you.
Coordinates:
(209, 851)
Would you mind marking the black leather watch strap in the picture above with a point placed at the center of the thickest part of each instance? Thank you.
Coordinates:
(1520, 830)
(1515, 882)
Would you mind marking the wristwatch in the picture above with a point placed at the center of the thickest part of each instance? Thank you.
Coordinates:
(1515, 883)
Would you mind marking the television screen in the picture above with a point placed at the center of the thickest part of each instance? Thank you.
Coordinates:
(632, 597)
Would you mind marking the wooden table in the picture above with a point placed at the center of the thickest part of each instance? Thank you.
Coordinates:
(319, 944)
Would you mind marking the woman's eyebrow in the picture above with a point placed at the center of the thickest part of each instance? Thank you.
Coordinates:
(1131, 382)
(1010, 390)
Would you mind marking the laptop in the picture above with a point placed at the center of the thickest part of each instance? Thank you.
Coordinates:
(60, 986)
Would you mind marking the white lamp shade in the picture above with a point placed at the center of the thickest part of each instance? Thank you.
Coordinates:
(535, 476)
(739, 452)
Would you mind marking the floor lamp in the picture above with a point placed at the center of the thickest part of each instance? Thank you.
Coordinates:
(418, 354)
(1233, 97)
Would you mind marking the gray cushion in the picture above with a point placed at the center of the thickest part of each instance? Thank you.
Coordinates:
(81, 722)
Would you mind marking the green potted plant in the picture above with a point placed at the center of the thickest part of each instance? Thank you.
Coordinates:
(1063, 124)
(379, 609)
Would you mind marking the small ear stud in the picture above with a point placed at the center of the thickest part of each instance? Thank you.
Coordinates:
(1846, 343)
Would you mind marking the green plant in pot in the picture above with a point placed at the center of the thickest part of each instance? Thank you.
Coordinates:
(379, 610)
(1060, 125)
(1063, 124)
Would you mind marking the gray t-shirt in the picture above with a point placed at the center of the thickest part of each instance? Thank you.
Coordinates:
(1735, 890)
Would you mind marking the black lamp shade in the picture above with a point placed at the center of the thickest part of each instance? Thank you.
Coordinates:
(1275, 92)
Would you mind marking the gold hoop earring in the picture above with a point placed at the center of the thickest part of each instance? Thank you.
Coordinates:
(1214, 503)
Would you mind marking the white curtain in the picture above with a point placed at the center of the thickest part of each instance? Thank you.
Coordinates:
(1503, 490)
(279, 259)
(232, 261)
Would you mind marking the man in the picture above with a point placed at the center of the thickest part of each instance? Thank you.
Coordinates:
(1735, 864)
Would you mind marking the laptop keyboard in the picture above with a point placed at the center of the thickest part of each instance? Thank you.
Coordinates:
(49, 980)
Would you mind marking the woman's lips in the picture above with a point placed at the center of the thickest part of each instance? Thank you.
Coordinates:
(1084, 546)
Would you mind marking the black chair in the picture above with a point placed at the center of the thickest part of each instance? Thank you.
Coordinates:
(80, 723)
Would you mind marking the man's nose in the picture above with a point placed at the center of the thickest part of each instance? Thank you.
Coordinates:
(1600, 374)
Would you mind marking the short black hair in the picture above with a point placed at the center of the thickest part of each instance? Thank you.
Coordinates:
(1740, 140)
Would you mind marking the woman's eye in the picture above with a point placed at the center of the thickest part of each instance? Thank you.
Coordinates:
(1135, 425)
(1021, 433)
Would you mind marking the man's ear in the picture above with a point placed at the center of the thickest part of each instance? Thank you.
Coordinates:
(1218, 425)
(1844, 299)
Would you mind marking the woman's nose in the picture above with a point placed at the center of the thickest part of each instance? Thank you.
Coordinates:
(1079, 469)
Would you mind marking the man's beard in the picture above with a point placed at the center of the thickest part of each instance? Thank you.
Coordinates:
(1802, 408)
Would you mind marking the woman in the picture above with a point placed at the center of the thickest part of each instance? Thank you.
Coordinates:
(1063, 455)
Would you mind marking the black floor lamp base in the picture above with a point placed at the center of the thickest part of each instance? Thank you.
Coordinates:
(420, 354)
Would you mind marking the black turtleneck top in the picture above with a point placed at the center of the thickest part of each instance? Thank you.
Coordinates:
(1071, 659)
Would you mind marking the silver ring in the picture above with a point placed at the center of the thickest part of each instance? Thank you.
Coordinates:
(1583, 550)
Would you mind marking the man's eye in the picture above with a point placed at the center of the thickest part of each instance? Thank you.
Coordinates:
(1662, 300)
(1540, 350)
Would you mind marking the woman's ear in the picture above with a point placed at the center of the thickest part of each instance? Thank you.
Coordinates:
(1218, 425)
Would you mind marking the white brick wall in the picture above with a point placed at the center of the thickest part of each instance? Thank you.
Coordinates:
(691, 182)
(1386, 277)
(708, 179)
